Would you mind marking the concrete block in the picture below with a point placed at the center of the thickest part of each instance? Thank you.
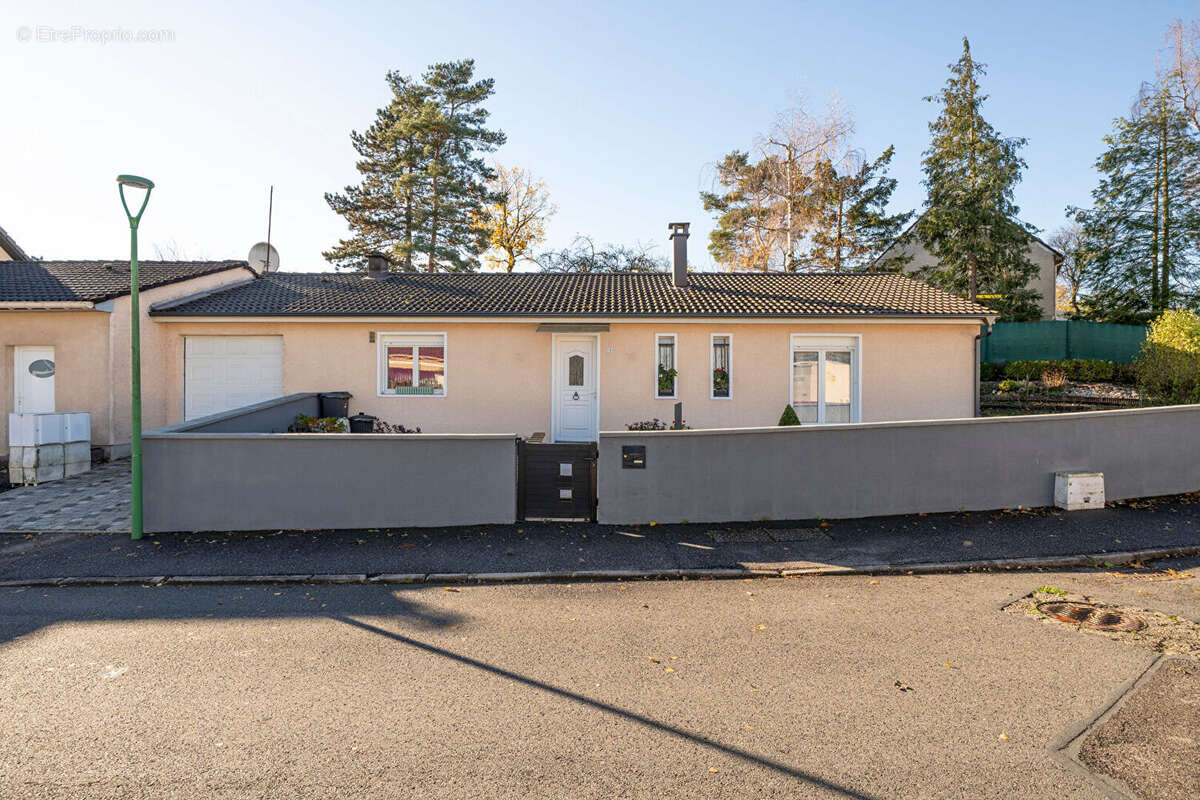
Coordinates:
(77, 426)
(17, 455)
(1079, 491)
(45, 473)
(50, 455)
(47, 429)
(77, 451)
(76, 468)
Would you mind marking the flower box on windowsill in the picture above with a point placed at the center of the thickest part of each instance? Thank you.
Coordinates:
(415, 390)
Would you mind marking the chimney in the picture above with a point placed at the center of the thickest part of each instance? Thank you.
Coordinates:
(377, 263)
(679, 235)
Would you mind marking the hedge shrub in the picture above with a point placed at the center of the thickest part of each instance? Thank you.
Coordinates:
(788, 417)
(1084, 370)
(1168, 370)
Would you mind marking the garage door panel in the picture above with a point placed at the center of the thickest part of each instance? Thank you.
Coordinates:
(227, 372)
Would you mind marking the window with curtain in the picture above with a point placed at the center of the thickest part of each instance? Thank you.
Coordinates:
(825, 380)
(413, 364)
(722, 366)
(666, 371)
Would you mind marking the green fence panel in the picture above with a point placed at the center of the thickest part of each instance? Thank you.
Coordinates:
(1061, 339)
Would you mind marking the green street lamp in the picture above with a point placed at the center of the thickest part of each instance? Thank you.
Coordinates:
(135, 340)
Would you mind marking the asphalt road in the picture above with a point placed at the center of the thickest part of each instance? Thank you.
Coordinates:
(745, 688)
(1162, 523)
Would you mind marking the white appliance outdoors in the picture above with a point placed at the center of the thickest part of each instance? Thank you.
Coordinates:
(48, 447)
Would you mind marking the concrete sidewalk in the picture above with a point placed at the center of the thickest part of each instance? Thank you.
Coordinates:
(1018, 538)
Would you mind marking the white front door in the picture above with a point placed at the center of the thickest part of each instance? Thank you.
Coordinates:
(221, 373)
(576, 396)
(33, 380)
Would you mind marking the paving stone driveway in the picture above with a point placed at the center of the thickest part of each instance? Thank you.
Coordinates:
(96, 501)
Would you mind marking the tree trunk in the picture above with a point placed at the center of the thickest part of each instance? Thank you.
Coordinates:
(1154, 238)
(1164, 283)
(787, 256)
(971, 294)
(433, 226)
(512, 259)
(837, 253)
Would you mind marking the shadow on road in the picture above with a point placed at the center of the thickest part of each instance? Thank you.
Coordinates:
(608, 708)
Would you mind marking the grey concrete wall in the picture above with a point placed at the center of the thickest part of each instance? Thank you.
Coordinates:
(894, 467)
(247, 481)
(269, 416)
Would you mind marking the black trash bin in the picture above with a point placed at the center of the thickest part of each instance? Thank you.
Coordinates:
(335, 404)
(362, 423)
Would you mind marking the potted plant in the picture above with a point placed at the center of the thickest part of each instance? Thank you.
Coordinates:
(721, 382)
(666, 380)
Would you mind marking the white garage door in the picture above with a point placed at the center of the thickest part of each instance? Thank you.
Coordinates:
(224, 372)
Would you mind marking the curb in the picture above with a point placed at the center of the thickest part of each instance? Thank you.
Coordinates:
(712, 573)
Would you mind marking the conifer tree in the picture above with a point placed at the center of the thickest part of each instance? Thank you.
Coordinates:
(851, 226)
(425, 180)
(970, 225)
(1143, 230)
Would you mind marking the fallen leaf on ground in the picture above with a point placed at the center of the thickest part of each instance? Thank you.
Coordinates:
(904, 687)
(711, 769)
(670, 669)
(654, 660)
(1004, 737)
(453, 589)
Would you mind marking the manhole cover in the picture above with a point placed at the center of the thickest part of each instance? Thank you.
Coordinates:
(1103, 619)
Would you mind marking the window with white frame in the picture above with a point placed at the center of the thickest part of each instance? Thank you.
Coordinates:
(412, 364)
(825, 379)
(721, 363)
(665, 370)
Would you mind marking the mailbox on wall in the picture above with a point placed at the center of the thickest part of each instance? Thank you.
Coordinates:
(633, 456)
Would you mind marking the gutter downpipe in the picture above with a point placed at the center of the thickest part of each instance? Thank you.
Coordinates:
(979, 337)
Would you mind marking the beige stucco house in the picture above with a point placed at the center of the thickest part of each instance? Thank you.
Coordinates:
(64, 328)
(564, 355)
(1044, 257)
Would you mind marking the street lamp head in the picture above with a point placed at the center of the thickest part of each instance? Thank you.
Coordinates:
(135, 181)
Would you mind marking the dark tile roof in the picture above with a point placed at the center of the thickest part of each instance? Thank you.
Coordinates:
(550, 295)
(94, 281)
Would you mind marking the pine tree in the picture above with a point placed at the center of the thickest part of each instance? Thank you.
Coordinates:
(382, 210)
(745, 236)
(1143, 230)
(425, 181)
(851, 225)
(970, 224)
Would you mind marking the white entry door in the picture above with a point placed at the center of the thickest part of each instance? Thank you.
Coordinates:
(33, 380)
(226, 372)
(576, 396)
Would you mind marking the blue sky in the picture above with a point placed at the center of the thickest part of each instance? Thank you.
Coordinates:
(622, 110)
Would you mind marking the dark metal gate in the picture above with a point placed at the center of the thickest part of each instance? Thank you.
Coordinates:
(556, 481)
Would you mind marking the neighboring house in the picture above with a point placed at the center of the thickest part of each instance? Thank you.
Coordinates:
(9, 249)
(1045, 257)
(570, 354)
(64, 326)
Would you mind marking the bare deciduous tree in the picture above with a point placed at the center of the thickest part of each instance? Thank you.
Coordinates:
(1179, 67)
(793, 152)
(1072, 274)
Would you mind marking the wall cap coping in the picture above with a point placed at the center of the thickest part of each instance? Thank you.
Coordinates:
(163, 433)
(187, 425)
(920, 423)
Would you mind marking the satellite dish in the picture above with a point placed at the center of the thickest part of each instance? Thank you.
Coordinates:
(263, 258)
